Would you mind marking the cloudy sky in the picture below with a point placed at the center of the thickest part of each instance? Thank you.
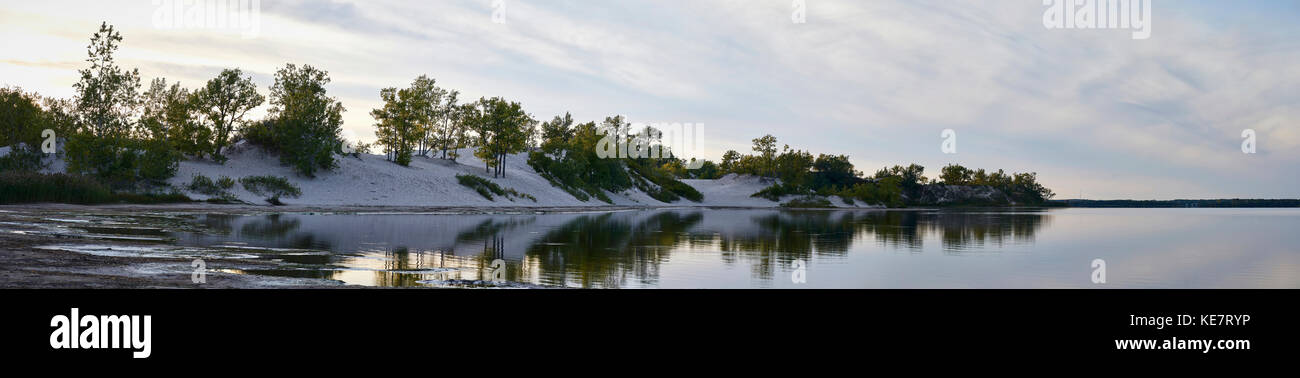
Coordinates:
(1095, 112)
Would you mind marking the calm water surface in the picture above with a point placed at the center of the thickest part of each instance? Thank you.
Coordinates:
(712, 248)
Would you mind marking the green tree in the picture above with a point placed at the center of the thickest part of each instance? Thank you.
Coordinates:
(304, 122)
(954, 174)
(766, 149)
(21, 118)
(502, 129)
(424, 98)
(729, 160)
(21, 122)
(557, 133)
(223, 102)
(834, 171)
(400, 121)
(793, 167)
(107, 95)
(104, 105)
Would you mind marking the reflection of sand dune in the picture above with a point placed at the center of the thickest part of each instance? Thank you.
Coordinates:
(613, 249)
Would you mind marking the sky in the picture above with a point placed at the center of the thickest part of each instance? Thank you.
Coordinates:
(1096, 113)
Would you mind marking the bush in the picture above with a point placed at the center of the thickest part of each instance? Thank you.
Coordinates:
(669, 188)
(487, 188)
(886, 191)
(272, 187)
(776, 191)
(225, 183)
(203, 185)
(21, 158)
(219, 189)
(32, 187)
(122, 162)
(304, 123)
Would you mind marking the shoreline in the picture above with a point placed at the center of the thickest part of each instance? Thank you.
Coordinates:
(369, 209)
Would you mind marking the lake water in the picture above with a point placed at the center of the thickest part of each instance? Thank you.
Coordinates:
(723, 248)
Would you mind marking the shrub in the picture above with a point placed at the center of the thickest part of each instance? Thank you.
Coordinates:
(32, 187)
(21, 158)
(225, 183)
(304, 123)
(487, 188)
(203, 185)
(669, 188)
(272, 187)
(219, 189)
(776, 191)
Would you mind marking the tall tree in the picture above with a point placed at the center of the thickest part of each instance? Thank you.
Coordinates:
(305, 122)
(223, 102)
(424, 98)
(556, 133)
(399, 122)
(502, 129)
(104, 107)
(107, 95)
(21, 123)
(766, 149)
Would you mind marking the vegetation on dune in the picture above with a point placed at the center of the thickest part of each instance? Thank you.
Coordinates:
(423, 117)
(833, 175)
(219, 189)
(487, 188)
(271, 187)
(122, 141)
(304, 123)
(568, 157)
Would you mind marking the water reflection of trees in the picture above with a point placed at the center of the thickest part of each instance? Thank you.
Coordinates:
(607, 250)
(625, 249)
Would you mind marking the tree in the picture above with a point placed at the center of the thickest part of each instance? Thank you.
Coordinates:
(21, 123)
(556, 133)
(729, 160)
(304, 122)
(834, 171)
(502, 128)
(954, 174)
(104, 107)
(169, 114)
(223, 102)
(107, 95)
(910, 178)
(21, 118)
(166, 120)
(766, 149)
(793, 167)
(423, 98)
(399, 121)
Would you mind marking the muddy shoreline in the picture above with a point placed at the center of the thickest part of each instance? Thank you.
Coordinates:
(22, 266)
(28, 231)
(25, 265)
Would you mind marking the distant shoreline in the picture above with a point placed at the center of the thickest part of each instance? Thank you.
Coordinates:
(1179, 203)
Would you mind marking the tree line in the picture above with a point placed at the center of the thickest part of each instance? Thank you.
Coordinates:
(426, 120)
(802, 173)
(127, 135)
